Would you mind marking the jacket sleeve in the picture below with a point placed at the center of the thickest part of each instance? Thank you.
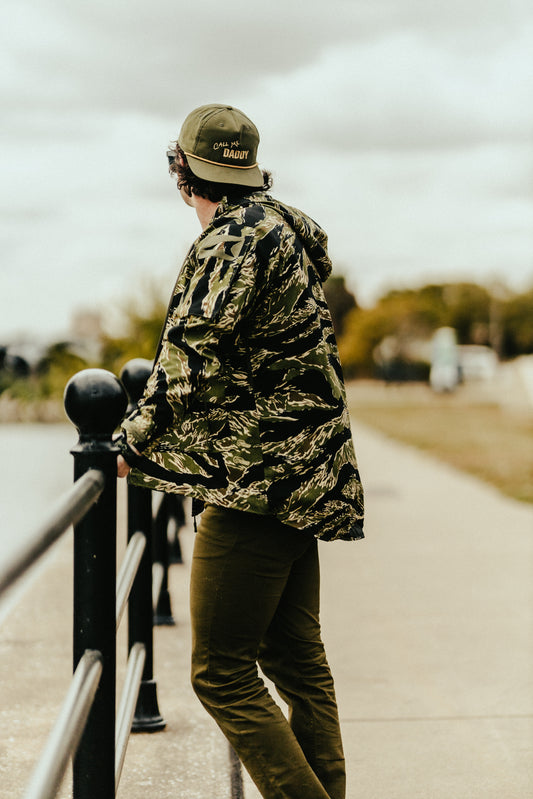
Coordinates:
(198, 330)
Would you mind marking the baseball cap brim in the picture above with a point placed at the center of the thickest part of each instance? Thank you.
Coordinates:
(218, 173)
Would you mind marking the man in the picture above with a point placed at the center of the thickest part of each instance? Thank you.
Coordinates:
(245, 411)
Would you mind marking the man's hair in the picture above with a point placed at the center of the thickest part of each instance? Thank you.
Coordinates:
(205, 188)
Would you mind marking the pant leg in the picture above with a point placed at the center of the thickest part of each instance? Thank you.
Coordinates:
(292, 655)
(240, 568)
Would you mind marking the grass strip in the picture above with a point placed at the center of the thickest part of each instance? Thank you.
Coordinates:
(480, 438)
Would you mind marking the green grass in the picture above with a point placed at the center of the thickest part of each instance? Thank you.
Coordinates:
(473, 434)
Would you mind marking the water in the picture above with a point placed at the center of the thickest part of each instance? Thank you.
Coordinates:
(36, 467)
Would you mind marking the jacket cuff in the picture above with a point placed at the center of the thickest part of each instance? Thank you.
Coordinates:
(129, 452)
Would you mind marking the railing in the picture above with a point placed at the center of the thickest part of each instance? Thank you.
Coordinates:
(87, 727)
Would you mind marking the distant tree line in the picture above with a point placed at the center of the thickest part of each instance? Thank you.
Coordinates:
(500, 319)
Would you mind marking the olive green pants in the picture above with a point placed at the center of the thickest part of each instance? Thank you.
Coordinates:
(255, 600)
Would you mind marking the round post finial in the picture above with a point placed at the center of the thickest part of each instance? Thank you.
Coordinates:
(134, 376)
(95, 402)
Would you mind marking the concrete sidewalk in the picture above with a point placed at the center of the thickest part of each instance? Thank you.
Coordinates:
(429, 624)
(429, 630)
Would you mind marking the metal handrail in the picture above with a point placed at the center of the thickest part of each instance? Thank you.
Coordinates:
(69, 510)
(126, 710)
(87, 727)
(158, 573)
(158, 568)
(128, 571)
(68, 729)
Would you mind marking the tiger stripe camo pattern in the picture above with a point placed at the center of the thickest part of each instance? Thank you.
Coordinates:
(246, 406)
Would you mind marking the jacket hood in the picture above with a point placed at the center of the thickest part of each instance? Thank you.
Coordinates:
(311, 235)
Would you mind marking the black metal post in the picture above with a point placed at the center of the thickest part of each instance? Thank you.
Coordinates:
(177, 513)
(95, 402)
(161, 554)
(140, 614)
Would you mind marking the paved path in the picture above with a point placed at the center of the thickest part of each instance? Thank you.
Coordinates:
(428, 624)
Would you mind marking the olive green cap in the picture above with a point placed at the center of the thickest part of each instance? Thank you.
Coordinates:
(220, 143)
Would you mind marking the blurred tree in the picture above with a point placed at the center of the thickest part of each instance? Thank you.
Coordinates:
(368, 337)
(142, 320)
(405, 315)
(43, 380)
(56, 367)
(517, 325)
(340, 301)
(468, 311)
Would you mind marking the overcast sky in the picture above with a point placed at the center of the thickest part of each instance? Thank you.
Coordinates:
(404, 127)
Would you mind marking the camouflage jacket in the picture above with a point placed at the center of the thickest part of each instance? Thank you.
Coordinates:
(245, 407)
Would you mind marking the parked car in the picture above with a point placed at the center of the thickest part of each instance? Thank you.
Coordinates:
(477, 362)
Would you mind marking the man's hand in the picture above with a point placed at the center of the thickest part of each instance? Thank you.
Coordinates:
(122, 467)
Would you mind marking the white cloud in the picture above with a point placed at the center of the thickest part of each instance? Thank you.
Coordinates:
(411, 216)
(402, 127)
(404, 90)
